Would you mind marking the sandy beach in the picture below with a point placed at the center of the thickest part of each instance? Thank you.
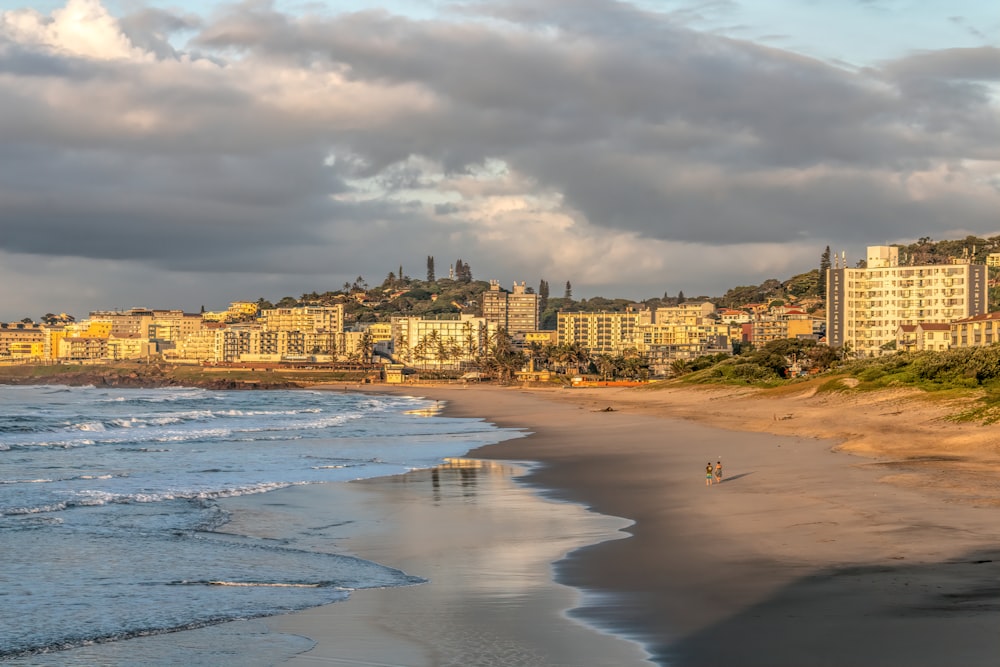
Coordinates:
(847, 531)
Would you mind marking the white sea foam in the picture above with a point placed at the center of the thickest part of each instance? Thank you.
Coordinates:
(129, 477)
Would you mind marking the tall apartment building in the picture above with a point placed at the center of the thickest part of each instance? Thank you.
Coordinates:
(602, 332)
(865, 307)
(515, 311)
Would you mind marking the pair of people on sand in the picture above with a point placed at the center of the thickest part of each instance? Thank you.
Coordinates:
(713, 475)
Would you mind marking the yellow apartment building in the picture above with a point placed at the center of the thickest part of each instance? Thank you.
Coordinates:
(779, 327)
(16, 333)
(131, 322)
(242, 311)
(380, 332)
(601, 332)
(689, 313)
(662, 344)
(977, 331)
(865, 307)
(313, 319)
(27, 351)
(130, 347)
(541, 338)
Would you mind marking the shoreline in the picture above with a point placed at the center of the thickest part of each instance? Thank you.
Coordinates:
(806, 555)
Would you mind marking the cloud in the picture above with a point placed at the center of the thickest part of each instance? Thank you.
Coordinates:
(617, 147)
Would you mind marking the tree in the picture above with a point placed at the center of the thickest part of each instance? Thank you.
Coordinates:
(680, 297)
(824, 267)
(568, 294)
(463, 272)
(430, 268)
(366, 346)
(543, 295)
(501, 360)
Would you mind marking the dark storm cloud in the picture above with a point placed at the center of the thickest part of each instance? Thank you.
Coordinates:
(587, 111)
(293, 143)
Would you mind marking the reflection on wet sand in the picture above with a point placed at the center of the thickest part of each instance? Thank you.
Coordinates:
(486, 546)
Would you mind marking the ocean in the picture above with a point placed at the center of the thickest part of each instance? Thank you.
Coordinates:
(110, 517)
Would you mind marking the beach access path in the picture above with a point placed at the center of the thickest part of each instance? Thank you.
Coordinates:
(806, 554)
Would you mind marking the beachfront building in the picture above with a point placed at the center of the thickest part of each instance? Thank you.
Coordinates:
(601, 332)
(934, 336)
(313, 319)
(442, 344)
(130, 347)
(131, 322)
(515, 311)
(977, 331)
(83, 348)
(27, 351)
(663, 344)
(866, 306)
(302, 331)
(15, 334)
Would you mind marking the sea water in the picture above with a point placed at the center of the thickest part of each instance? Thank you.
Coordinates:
(108, 511)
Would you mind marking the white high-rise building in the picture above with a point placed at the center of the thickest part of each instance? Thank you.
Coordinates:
(865, 307)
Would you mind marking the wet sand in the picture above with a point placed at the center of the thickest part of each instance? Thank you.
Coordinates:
(486, 546)
(804, 555)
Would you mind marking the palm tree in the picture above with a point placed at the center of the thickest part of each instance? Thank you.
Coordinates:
(501, 360)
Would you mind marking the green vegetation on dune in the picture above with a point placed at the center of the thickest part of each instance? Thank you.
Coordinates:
(969, 376)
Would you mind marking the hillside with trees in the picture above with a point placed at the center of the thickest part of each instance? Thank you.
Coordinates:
(400, 294)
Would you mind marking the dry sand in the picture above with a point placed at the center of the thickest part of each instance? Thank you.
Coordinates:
(805, 555)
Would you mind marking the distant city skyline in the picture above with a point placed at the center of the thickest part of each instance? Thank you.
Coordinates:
(179, 154)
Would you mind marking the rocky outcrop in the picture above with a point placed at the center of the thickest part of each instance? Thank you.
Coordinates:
(152, 377)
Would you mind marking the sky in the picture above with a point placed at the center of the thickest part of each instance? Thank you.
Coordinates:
(187, 154)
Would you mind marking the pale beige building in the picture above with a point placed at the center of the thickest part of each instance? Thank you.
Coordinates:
(689, 313)
(131, 322)
(172, 326)
(662, 344)
(445, 344)
(130, 347)
(81, 348)
(601, 332)
(312, 319)
(865, 307)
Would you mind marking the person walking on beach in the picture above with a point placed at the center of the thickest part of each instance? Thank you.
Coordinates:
(718, 471)
(708, 474)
